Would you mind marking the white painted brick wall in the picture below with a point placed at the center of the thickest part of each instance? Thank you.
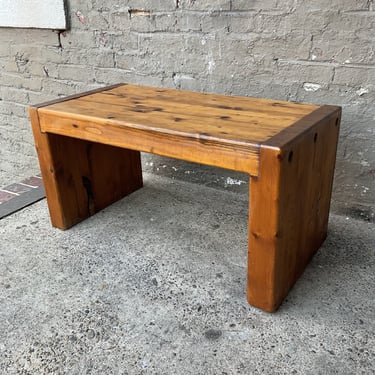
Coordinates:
(315, 51)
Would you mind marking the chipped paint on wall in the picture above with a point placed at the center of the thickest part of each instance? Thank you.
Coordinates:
(307, 86)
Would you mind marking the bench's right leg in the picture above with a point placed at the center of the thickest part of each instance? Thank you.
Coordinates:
(80, 177)
(289, 206)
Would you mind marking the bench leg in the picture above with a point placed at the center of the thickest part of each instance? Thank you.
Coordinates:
(80, 177)
(289, 208)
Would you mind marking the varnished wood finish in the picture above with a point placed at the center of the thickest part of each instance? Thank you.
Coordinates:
(89, 144)
(81, 177)
(205, 128)
(289, 205)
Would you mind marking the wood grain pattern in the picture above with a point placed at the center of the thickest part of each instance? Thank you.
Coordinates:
(81, 177)
(206, 128)
(199, 150)
(289, 205)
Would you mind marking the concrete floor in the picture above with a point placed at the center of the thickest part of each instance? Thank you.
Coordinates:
(155, 284)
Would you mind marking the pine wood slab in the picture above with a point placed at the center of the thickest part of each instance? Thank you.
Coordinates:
(89, 152)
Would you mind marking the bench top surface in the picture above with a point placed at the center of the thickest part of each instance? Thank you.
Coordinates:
(225, 122)
(228, 118)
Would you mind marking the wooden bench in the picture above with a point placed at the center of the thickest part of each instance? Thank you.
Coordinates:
(89, 152)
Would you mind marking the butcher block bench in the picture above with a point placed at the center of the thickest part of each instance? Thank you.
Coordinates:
(89, 152)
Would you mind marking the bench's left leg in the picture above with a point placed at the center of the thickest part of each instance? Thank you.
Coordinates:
(289, 207)
(81, 177)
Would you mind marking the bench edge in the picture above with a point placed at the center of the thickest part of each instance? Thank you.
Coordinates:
(75, 96)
